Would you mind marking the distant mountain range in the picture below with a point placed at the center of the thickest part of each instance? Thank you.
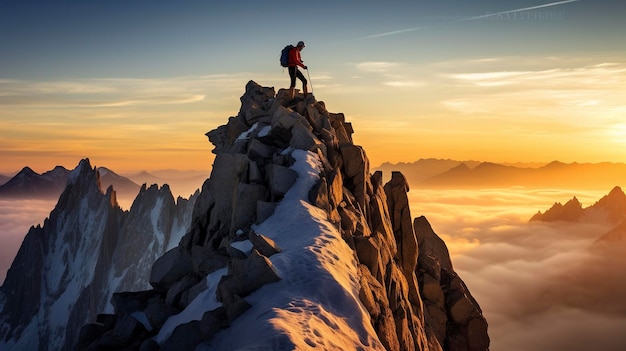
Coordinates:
(438, 173)
(30, 184)
(49, 185)
(182, 183)
(4, 179)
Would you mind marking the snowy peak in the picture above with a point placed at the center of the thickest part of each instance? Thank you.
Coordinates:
(86, 250)
(59, 259)
(29, 184)
(57, 172)
(293, 239)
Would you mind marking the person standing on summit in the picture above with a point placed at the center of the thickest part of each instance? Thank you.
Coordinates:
(294, 60)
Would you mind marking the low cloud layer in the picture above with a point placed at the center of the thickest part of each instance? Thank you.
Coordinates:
(541, 286)
(16, 218)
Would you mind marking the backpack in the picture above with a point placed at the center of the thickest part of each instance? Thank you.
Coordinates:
(284, 55)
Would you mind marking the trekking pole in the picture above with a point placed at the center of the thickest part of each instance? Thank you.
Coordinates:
(309, 76)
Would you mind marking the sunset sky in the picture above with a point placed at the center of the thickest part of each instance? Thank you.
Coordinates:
(134, 85)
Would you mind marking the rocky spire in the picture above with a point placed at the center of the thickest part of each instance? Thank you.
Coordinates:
(290, 203)
(67, 270)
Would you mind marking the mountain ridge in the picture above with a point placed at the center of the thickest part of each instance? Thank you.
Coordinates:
(72, 261)
(611, 208)
(291, 238)
(438, 173)
(28, 183)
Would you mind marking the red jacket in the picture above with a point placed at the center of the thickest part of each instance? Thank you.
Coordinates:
(294, 58)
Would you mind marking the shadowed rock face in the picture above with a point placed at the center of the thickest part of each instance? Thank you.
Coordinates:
(451, 311)
(67, 270)
(251, 175)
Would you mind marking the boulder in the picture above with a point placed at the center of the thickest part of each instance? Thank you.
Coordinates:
(244, 207)
(264, 210)
(302, 138)
(206, 260)
(246, 275)
(175, 291)
(169, 268)
(185, 337)
(279, 179)
(158, 312)
(129, 302)
(264, 245)
(257, 150)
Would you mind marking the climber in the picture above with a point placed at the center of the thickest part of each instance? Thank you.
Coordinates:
(293, 62)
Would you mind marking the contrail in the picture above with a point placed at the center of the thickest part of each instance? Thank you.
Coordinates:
(470, 19)
(394, 32)
(517, 10)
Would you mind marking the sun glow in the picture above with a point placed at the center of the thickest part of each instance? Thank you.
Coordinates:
(618, 133)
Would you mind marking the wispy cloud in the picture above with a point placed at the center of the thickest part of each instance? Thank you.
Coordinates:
(376, 66)
(404, 83)
(153, 100)
(584, 95)
(114, 92)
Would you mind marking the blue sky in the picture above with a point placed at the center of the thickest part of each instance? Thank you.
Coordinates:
(154, 70)
(160, 38)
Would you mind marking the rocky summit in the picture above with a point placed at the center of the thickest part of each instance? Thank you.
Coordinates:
(295, 245)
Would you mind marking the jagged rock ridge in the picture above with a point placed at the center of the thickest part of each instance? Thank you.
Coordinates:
(49, 185)
(66, 270)
(611, 208)
(292, 238)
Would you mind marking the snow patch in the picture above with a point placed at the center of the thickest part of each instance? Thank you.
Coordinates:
(243, 246)
(265, 131)
(155, 215)
(246, 135)
(204, 302)
(141, 317)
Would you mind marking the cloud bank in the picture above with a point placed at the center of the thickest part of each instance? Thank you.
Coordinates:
(16, 217)
(541, 286)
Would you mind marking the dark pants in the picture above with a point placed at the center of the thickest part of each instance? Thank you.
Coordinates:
(293, 73)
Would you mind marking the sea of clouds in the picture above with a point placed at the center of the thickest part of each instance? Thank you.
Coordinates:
(16, 218)
(542, 286)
